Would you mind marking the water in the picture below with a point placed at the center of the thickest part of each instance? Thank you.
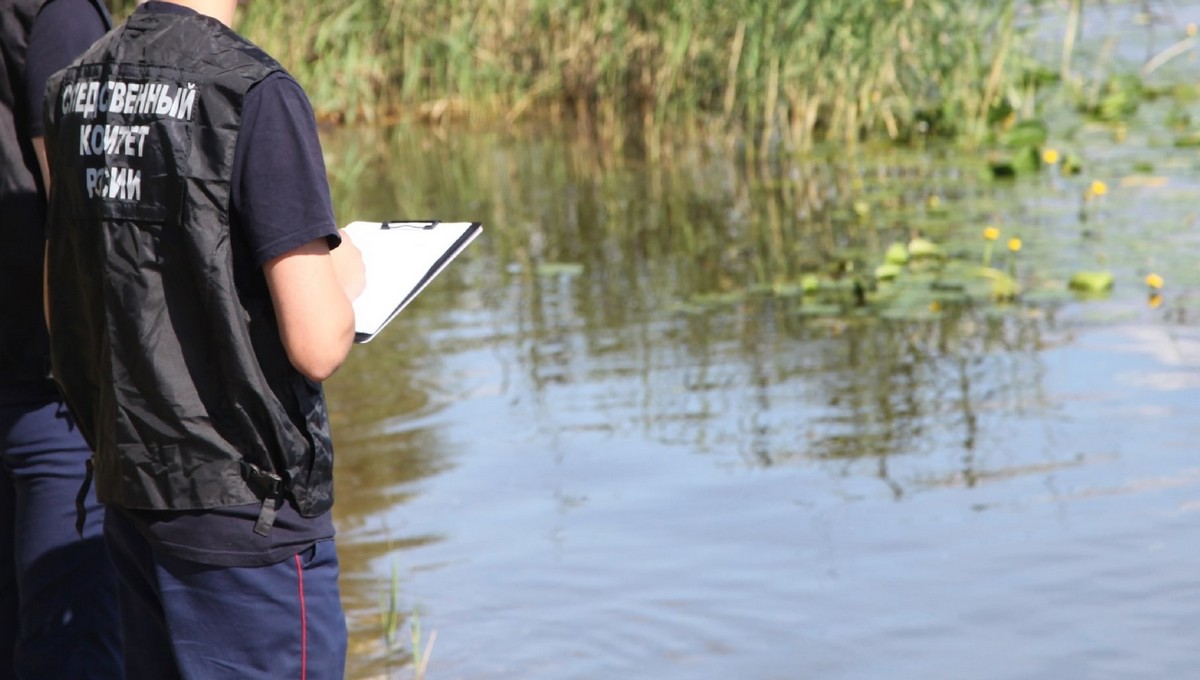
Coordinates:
(680, 521)
(588, 472)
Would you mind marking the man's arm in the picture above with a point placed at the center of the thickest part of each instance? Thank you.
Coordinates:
(61, 32)
(46, 285)
(312, 288)
(282, 209)
(39, 149)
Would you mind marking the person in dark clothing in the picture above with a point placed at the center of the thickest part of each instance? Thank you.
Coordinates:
(199, 291)
(58, 605)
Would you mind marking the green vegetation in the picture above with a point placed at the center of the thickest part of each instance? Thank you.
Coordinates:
(772, 73)
(764, 76)
(749, 78)
(769, 70)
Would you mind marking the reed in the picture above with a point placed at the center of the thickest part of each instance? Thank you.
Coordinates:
(769, 73)
(766, 74)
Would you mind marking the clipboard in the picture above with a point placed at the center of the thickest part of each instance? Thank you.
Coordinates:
(401, 257)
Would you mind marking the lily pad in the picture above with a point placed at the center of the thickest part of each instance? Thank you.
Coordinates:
(1119, 98)
(888, 271)
(1188, 140)
(718, 299)
(559, 269)
(1091, 281)
(811, 283)
(818, 311)
(785, 290)
(920, 248)
(897, 253)
(928, 312)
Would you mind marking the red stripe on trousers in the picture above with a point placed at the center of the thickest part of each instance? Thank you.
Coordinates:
(303, 623)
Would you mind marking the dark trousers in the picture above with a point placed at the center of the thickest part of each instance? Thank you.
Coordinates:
(192, 621)
(58, 605)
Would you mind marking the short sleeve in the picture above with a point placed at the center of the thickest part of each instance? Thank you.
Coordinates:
(62, 31)
(280, 193)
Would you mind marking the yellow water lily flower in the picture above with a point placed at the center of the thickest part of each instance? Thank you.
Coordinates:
(1050, 156)
(1155, 301)
(1014, 244)
(1098, 188)
(991, 233)
(1191, 30)
(1154, 281)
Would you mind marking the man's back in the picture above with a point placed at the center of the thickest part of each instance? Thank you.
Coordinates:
(172, 263)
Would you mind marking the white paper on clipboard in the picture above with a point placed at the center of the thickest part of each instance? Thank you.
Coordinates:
(400, 259)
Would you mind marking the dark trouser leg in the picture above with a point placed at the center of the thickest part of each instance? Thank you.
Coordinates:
(66, 589)
(148, 652)
(278, 622)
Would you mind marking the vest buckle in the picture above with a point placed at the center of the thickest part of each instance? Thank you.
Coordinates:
(268, 486)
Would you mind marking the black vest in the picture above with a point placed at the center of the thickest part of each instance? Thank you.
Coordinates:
(168, 354)
(24, 348)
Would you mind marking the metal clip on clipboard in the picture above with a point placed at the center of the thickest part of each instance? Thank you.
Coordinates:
(408, 224)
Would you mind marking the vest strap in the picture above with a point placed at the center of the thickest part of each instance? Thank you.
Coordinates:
(266, 517)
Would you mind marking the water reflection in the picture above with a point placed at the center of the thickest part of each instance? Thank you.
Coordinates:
(376, 461)
(865, 387)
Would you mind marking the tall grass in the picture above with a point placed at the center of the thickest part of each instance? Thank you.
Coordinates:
(774, 72)
(767, 73)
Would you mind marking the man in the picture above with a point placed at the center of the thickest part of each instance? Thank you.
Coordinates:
(57, 588)
(196, 300)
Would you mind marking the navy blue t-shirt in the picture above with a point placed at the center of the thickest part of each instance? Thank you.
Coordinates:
(280, 197)
(62, 31)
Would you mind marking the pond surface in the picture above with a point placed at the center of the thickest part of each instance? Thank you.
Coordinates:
(604, 444)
